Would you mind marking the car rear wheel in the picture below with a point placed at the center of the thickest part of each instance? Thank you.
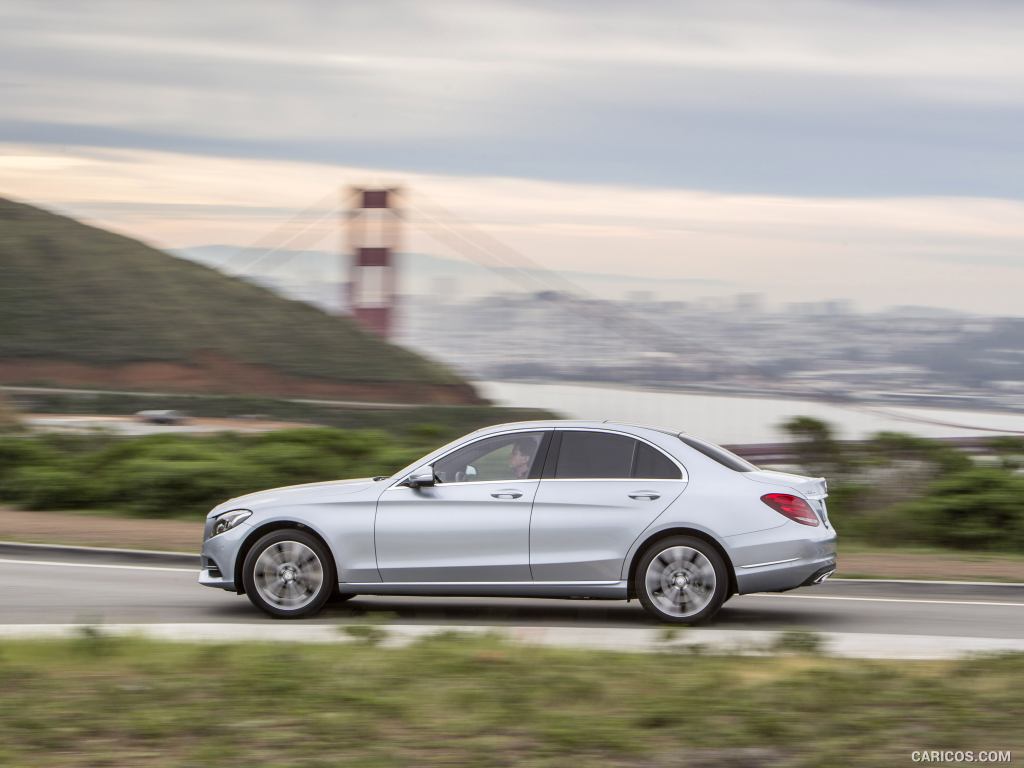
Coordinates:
(681, 580)
(288, 574)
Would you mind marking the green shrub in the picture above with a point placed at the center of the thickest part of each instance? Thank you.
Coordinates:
(181, 475)
(980, 508)
(44, 487)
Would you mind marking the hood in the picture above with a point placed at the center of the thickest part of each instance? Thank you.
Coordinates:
(808, 487)
(306, 493)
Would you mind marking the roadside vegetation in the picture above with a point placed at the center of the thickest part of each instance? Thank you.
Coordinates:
(894, 490)
(901, 490)
(451, 700)
(8, 416)
(186, 475)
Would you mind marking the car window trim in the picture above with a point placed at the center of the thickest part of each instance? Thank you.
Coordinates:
(399, 486)
(545, 438)
(559, 431)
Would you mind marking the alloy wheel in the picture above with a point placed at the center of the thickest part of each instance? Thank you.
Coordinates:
(288, 575)
(680, 581)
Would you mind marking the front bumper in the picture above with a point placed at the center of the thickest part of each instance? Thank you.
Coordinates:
(218, 558)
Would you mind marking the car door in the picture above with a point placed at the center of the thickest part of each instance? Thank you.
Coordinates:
(600, 490)
(473, 524)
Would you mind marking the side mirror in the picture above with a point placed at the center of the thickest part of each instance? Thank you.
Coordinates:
(421, 478)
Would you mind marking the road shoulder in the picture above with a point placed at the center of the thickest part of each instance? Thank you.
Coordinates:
(185, 536)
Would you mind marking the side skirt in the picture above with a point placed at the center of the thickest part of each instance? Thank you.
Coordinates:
(607, 590)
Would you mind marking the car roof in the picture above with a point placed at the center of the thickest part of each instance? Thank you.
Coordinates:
(568, 423)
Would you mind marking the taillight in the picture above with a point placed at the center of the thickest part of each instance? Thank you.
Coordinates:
(793, 507)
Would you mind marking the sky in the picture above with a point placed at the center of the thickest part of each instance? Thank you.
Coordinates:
(864, 150)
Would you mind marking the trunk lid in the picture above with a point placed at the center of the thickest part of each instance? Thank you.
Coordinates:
(808, 487)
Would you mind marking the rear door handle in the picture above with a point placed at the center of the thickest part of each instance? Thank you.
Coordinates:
(507, 494)
(649, 495)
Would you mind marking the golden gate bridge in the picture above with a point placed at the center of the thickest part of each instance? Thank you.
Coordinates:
(372, 220)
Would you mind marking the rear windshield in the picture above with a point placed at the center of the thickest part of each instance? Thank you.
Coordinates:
(719, 454)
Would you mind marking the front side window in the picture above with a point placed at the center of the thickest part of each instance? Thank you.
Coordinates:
(503, 457)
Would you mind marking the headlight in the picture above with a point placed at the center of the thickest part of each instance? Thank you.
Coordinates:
(229, 520)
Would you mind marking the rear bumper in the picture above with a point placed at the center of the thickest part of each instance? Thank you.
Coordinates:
(784, 558)
(784, 576)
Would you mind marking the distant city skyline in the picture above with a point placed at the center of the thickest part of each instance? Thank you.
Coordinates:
(318, 278)
(834, 149)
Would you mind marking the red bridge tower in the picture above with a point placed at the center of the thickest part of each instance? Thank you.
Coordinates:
(374, 228)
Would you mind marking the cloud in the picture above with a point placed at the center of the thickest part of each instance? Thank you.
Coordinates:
(965, 253)
(806, 150)
(823, 98)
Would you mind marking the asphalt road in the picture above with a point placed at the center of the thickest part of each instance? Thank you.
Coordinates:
(49, 589)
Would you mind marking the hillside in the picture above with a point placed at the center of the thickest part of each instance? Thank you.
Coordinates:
(81, 306)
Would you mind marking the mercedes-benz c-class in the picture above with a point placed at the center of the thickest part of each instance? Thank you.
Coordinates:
(539, 509)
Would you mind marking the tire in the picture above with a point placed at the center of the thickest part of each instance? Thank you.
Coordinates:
(681, 580)
(289, 574)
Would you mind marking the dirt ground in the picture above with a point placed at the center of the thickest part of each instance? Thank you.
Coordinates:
(99, 531)
(134, 426)
(186, 536)
(925, 565)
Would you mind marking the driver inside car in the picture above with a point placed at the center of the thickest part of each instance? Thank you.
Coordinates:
(521, 458)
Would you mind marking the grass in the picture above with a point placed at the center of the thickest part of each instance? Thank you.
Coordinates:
(449, 700)
(77, 293)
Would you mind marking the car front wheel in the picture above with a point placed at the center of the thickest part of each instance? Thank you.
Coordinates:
(681, 580)
(288, 574)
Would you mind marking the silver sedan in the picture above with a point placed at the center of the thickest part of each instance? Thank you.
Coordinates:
(536, 509)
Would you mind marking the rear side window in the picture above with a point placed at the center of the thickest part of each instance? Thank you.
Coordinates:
(652, 464)
(595, 454)
(719, 454)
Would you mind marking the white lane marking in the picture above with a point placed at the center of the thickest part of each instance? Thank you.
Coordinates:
(100, 565)
(1008, 584)
(889, 600)
(790, 597)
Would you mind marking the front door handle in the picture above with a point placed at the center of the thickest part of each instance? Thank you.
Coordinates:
(507, 494)
(649, 495)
